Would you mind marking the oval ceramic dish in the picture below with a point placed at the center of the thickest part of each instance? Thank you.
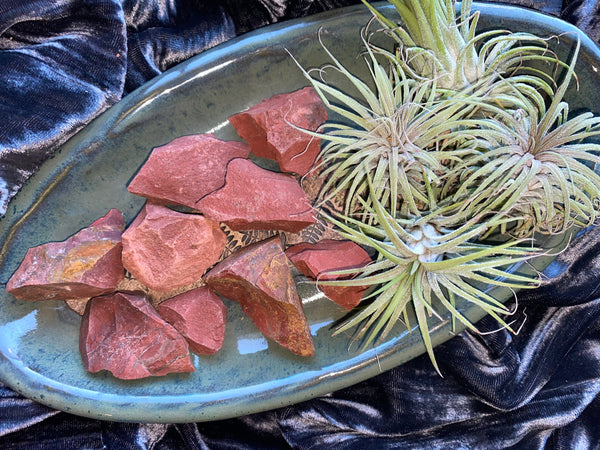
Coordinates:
(39, 354)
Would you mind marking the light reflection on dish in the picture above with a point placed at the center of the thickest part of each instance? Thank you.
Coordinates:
(218, 127)
(252, 344)
(12, 332)
(316, 326)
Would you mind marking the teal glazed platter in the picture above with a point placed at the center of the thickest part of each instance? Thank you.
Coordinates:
(39, 354)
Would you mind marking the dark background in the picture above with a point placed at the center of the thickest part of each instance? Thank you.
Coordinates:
(536, 390)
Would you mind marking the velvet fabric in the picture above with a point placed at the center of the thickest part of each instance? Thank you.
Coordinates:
(65, 61)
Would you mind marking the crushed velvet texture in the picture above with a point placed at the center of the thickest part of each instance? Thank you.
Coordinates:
(62, 64)
(65, 61)
(161, 34)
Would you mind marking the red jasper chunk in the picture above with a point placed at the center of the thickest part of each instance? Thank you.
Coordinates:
(259, 278)
(83, 266)
(166, 249)
(257, 199)
(123, 333)
(318, 260)
(199, 315)
(186, 169)
(268, 127)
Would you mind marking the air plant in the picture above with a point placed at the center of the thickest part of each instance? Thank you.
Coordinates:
(429, 262)
(432, 43)
(538, 168)
(453, 153)
(399, 134)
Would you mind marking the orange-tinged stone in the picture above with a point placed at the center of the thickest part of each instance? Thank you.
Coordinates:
(270, 129)
(85, 265)
(81, 259)
(123, 333)
(259, 278)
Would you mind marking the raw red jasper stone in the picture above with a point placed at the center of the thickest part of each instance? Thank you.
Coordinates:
(257, 199)
(186, 169)
(123, 333)
(200, 316)
(266, 127)
(166, 249)
(259, 278)
(317, 260)
(85, 265)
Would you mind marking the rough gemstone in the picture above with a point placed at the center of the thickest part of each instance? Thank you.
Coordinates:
(316, 261)
(186, 169)
(123, 333)
(268, 127)
(257, 199)
(166, 249)
(200, 316)
(259, 278)
(85, 265)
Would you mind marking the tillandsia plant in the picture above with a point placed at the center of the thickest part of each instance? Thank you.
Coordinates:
(433, 43)
(399, 133)
(537, 167)
(454, 152)
(429, 262)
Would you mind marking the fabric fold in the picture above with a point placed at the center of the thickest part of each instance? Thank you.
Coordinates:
(62, 64)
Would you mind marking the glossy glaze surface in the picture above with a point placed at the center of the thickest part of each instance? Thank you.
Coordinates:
(39, 354)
